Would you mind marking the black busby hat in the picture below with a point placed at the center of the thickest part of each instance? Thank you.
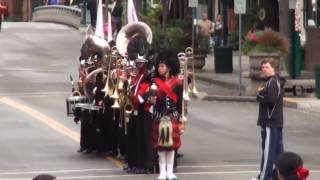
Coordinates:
(137, 49)
(170, 59)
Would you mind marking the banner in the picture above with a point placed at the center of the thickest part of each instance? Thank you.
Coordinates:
(109, 27)
(99, 24)
(132, 15)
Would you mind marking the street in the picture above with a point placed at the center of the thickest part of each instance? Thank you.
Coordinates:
(221, 141)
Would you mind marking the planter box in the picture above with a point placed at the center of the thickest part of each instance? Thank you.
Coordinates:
(255, 73)
(255, 60)
(199, 61)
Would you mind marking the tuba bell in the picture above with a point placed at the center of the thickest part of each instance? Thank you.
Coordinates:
(130, 31)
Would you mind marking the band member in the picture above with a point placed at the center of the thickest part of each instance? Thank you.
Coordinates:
(93, 128)
(167, 108)
(140, 152)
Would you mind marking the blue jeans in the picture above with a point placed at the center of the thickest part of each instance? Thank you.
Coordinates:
(217, 40)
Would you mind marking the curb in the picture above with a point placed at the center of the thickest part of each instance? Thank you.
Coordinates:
(219, 83)
(230, 98)
(287, 102)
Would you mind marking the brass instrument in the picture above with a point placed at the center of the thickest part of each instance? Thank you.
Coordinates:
(124, 36)
(114, 56)
(132, 30)
(184, 76)
(189, 54)
(128, 106)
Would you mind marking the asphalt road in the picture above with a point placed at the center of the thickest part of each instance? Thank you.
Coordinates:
(221, 142)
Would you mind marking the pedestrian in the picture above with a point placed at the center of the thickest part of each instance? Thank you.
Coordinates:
(92, 7)
(54, 2)
(45, 2)
(166, 98)
(3, 8)
(218, 31)
(270, 98)
(116, 10)
(290, 167)
(205, 30)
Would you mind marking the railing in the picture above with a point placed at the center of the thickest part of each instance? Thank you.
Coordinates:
(58, 14)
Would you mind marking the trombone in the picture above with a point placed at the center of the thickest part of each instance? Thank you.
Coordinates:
(189, 55)
(184, 76)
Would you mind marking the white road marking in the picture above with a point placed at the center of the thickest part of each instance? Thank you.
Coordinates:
(219, 166)
(28, 94)
(58, 171)
(33, 70)
(144, 175)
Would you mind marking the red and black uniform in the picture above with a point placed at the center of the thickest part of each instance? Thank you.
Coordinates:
(140, 152)
(166, 137)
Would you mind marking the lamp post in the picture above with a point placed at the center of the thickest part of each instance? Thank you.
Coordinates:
(84, 12)
(144, 7)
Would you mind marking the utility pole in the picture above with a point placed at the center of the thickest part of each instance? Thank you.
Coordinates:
(240, 8)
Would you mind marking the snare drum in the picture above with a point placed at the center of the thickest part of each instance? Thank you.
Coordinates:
(72, 101)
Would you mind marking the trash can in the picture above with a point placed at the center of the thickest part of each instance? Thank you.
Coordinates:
(223, 59)
(317, 78)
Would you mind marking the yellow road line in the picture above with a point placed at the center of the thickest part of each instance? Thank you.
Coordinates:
(42, 118)
(118, 163)
(51, 123)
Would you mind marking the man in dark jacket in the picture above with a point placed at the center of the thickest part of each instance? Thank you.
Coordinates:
(270, 98)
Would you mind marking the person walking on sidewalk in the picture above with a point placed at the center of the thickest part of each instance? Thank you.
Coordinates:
(218, 31)
(2, 11)
(270, 98)
(205, 30)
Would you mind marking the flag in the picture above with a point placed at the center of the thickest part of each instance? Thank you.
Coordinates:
(132, 15)
(109, 27)
(99, 24)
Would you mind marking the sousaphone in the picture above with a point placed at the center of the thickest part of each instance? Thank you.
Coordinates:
(131, 31)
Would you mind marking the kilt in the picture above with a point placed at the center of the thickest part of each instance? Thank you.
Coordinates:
(176, 141)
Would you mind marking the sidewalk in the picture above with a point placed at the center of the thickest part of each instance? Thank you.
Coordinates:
(226, 86)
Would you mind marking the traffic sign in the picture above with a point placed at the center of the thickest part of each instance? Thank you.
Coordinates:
(292, 4)
(193, 3)
(239, 6)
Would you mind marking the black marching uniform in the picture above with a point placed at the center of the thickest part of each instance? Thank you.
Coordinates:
(140, 153)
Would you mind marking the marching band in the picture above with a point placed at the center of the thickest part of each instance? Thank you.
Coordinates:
(131, 102)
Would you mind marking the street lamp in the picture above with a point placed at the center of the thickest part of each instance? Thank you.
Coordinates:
(144, 7)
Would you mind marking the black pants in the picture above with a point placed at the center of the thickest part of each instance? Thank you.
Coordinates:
(93, 17)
